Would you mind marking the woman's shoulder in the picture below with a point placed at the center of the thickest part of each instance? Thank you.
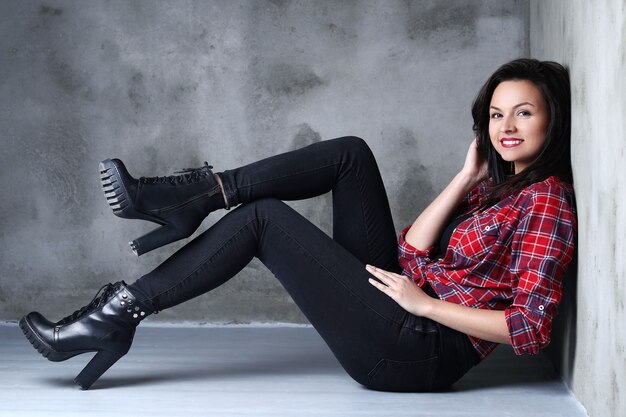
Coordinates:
(552, 190)
(550, 186)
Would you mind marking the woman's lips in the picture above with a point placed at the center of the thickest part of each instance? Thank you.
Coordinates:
(510, 142)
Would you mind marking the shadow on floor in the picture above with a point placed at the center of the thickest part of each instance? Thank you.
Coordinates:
(500, 370)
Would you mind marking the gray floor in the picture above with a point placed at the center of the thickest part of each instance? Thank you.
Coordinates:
(257, 371)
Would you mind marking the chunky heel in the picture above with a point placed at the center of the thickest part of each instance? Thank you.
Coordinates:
(165, 234)
(96, 367)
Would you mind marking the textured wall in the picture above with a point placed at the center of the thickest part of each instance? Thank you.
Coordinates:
(590, 38)
(170, 84)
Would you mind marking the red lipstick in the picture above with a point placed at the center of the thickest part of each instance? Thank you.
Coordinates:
(510, 142)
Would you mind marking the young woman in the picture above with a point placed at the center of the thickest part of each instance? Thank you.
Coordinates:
(481, 265)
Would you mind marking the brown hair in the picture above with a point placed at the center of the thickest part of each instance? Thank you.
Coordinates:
(552, 80)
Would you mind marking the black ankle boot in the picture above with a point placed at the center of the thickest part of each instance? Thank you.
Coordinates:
(106, 326)
(178, 203)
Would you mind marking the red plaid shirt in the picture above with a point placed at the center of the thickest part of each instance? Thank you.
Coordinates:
(510, 257)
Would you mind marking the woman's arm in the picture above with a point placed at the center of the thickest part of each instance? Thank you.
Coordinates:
(484, 324)
(428, 227)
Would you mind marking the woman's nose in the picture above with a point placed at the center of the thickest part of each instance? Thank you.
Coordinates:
(507, 125)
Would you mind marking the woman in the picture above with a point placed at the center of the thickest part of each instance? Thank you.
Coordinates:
(481, 265)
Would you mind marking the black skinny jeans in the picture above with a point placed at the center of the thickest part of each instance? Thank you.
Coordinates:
(376, 341)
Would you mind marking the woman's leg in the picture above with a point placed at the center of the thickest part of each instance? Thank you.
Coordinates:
(378, 343)
(362, 221)
(344, 166)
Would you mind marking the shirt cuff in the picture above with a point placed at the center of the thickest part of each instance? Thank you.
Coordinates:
(408, 251)
(522, 333)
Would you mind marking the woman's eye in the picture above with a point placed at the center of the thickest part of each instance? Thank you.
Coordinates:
(523, 113)
(495, 115)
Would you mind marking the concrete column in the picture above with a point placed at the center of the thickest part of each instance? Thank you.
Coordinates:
(589, 37)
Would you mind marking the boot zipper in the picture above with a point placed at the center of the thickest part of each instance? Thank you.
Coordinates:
(186, 203)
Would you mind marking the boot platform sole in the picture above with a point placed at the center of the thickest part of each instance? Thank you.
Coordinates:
(112, 172)
(42, 347)
(99, 364)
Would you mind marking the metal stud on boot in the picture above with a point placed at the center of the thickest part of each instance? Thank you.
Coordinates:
(179, 203)
(105, 326)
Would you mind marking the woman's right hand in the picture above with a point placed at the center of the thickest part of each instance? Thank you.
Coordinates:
(475, 167)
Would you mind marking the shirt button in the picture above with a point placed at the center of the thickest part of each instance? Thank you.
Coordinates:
(541, 308)
(487, 228)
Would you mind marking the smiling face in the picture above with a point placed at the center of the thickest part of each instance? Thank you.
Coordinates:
(518, 120)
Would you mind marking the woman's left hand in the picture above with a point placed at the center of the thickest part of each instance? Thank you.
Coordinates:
(402, 290)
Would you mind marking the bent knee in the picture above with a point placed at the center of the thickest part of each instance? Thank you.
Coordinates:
(354, 148)
(353, 142)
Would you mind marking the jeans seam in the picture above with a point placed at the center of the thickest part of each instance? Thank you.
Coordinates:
(289, 175)
(365, 228)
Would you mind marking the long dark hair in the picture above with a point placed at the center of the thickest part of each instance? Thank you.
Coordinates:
(552, 80)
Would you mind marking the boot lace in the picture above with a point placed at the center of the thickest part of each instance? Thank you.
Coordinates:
(185, 175)
(101, 297)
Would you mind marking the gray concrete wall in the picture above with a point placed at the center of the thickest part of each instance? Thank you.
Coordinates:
(590, 38)
(171, 84)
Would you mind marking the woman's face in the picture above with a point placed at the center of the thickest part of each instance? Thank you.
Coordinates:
(518, 120)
